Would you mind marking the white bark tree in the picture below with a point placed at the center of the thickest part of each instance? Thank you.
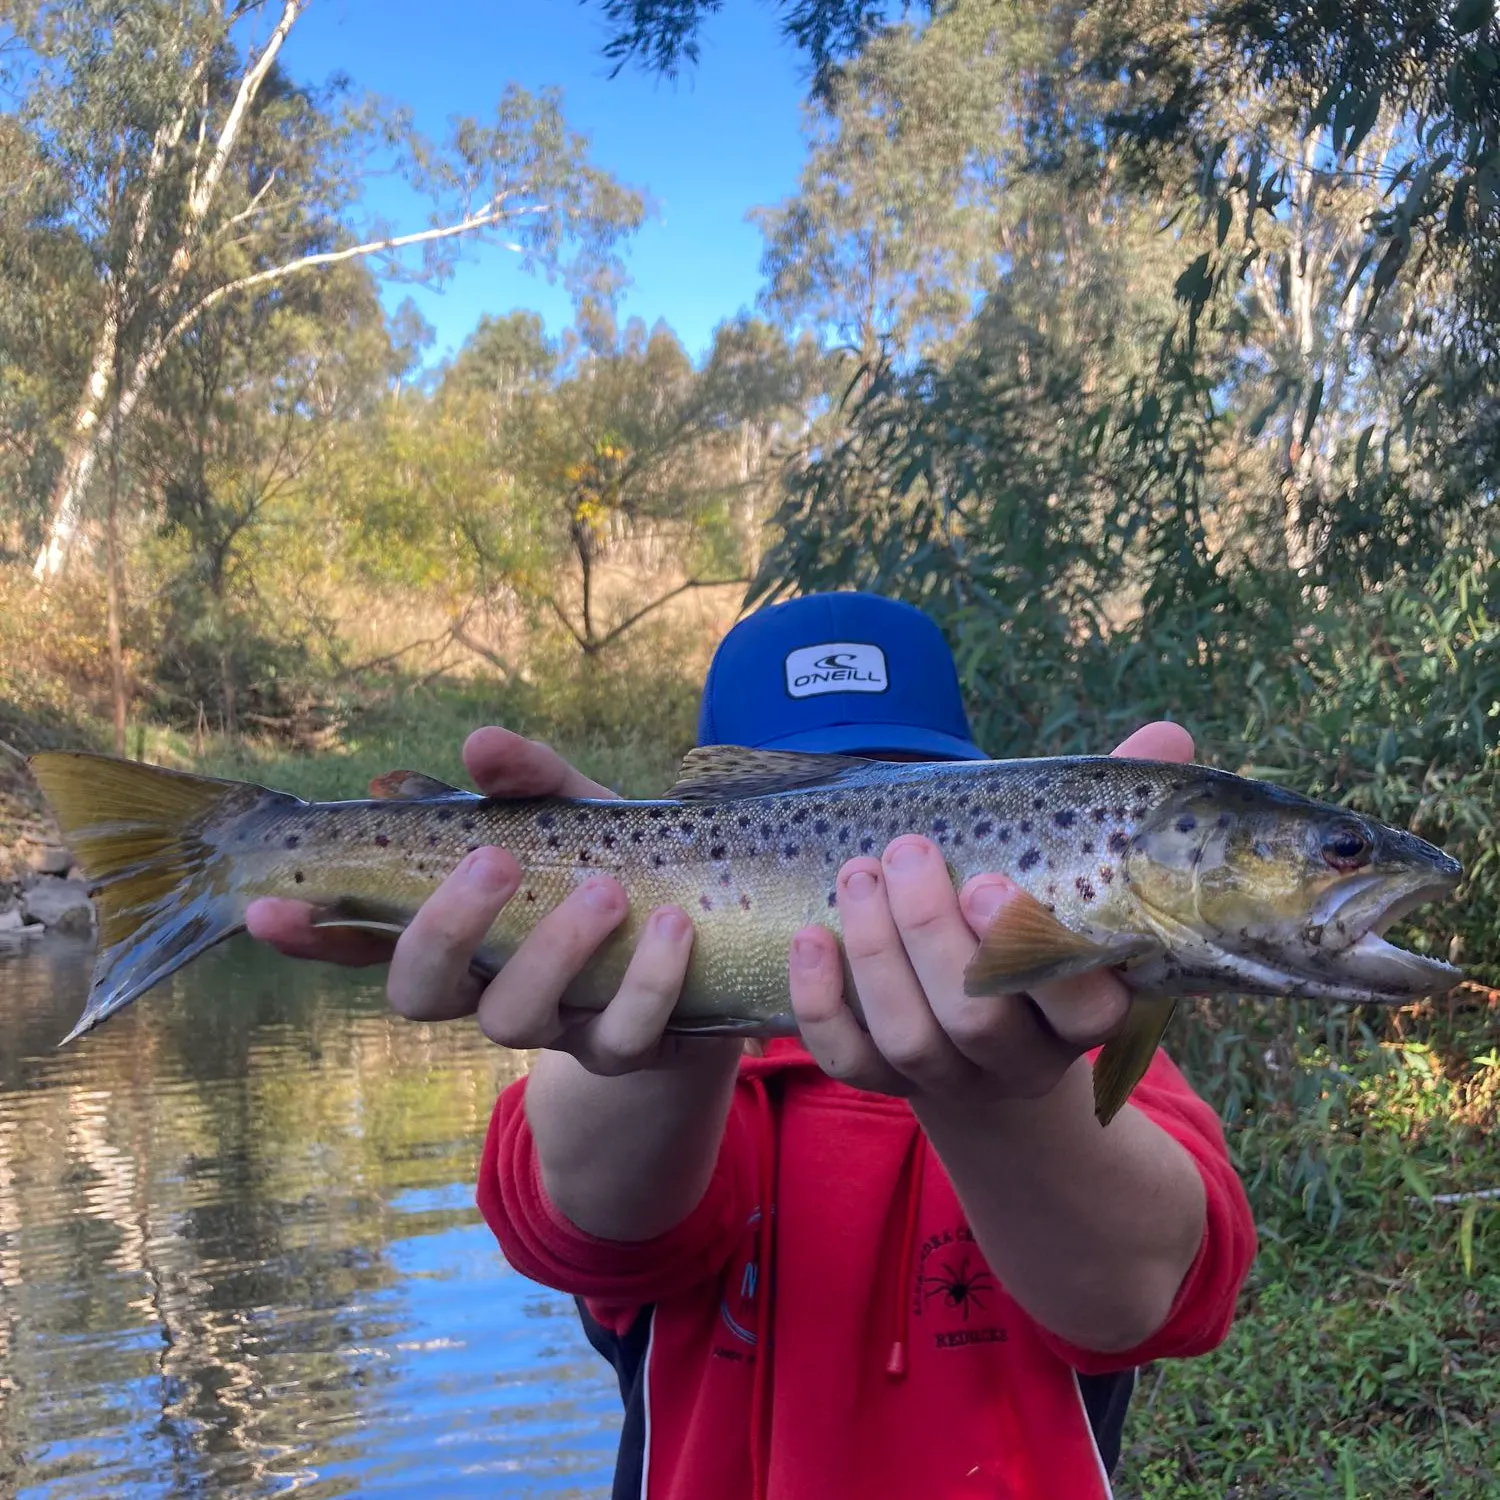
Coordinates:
(200, 174)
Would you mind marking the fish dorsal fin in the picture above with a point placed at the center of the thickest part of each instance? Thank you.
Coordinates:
(412, 786)
(1027, 945)
(1124, 1058)
(715, 773)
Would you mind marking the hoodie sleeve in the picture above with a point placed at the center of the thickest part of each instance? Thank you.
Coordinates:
(616, 1278)
(1204, 1308)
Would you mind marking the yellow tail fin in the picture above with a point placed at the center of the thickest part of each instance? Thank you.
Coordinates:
(139, 833)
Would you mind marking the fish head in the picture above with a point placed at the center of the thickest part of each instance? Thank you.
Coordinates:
(1253, 884)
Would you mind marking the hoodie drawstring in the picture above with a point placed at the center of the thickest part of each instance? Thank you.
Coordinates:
(911, 1172)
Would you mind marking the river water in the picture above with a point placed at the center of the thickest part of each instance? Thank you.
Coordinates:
(239, 1255)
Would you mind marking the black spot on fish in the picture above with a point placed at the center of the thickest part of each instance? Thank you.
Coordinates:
(800, 816)
(866, 844)
(445, 815)
(1051, 893)
(1029, 858)
(718, 851)
(724, 879)
(381, 840)
(531, 895)
(292, 841)
(821, 826)
(546, 820)
(1038, 803)
(744, 903)
(297, 876)
(983, 828)
(876, 804)
(584, 856)
(705, 903)
(609, 841)
(1086, 847)
(790, 850)
(1119, 842)
(1120, 814)
(553, 841)
(1186, 823)
(1025, 825)
(833, 899)
(1143, 790)
(940, 825)
(1098, 814)
(958, 840)
(1085, 889)
(637, 835)
(656, 812)
(687, 827)
(1064, 817)
(742, 821)
(658, 860)
(844, 835)
(766, 831)
(1097, 774)
(432, 839)
(467, 825)
(1003, 834)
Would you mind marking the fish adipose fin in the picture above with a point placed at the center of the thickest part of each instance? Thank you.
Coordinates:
(1123, 1060)
(416, 786)
(716, 773)
(137, 831)
(1026, 945)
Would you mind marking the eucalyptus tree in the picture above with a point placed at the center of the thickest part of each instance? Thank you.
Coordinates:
(195, 171)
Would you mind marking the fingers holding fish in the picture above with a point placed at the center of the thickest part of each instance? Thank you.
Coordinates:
(1160, 740)
(830, 1032)
(627, 1034)
(429, 978)
(288, 927)
(520, 1007)
(506, 764)
(891, 915)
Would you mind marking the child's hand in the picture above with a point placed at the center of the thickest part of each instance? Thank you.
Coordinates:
(908, 937)
(429, 976)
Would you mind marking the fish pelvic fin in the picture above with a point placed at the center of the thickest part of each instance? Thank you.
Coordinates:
(1124, 1058)
(160, 889)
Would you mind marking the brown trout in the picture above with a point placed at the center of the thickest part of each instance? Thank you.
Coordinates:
(1186, 880)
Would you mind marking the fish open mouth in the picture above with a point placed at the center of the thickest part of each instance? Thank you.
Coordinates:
(1361, 953)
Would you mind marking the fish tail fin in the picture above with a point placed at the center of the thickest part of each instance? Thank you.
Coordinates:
(138, 832)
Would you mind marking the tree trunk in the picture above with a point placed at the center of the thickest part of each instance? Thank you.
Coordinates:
(79, 459)
(112, 596)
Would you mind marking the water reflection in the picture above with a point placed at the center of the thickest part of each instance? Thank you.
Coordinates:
(239, 1254)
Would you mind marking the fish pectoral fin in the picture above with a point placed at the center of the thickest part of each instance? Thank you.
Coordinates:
(716, 773)
(414, 786)
(1123, 1060)
(1026, 945)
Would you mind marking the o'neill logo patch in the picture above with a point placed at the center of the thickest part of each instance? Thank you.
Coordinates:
(838, 667)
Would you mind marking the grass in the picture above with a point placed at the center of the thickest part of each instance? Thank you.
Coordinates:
(1366, 1359)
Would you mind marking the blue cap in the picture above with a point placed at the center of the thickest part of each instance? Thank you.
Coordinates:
(837, 672)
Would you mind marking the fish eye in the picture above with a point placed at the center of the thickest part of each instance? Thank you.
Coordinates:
(1346, 849)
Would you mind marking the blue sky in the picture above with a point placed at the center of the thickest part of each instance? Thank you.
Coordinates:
(720, 140)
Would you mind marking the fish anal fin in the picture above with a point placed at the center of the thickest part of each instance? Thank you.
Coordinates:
(1027, 945)
(412, 786)
(1124, 1058)
(716, 773)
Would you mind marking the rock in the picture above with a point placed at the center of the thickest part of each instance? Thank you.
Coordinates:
(52, 861)
(11, 920)
(61, 905)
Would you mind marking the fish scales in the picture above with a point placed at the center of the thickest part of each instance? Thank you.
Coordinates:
(749, 872)
(1183, 879)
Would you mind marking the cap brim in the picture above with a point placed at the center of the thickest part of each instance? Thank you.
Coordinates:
(878, 739)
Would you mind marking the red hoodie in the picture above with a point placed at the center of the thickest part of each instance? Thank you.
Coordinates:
(852, 1342)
